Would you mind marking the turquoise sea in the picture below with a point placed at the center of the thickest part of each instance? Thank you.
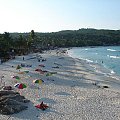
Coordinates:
(107, 58)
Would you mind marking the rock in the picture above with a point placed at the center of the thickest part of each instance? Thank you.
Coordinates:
(3, 92)
(10, 106)
(7, 88)
(11, 102)
(105, 86)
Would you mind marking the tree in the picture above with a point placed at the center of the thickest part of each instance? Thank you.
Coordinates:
(31, 40)
(6, 41)
(32, 34)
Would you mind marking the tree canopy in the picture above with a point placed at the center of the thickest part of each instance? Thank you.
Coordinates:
(23, 42)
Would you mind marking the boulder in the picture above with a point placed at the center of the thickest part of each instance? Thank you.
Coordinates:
(11, 102)
(7, 88)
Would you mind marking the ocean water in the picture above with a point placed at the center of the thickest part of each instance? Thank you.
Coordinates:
(107, 58)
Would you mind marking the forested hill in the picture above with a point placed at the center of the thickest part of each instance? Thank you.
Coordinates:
(81, 37)
(68, 38)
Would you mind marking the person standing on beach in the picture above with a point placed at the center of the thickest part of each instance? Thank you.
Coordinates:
(1, 80)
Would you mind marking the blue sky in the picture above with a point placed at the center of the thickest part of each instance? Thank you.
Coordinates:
(56, 15)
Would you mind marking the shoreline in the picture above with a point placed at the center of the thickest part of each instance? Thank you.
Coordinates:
(73, 92)
(112, 80)
(107, 60)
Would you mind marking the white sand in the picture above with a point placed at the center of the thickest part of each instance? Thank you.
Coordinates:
(70, 94)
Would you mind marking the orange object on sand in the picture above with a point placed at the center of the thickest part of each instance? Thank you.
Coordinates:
(21, 72)
(42, 106)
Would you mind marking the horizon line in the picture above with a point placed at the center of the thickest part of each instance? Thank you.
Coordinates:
(62, 30)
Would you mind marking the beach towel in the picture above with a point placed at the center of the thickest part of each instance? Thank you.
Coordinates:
(42, 106)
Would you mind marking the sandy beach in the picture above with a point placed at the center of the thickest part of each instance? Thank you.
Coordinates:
(71, 88)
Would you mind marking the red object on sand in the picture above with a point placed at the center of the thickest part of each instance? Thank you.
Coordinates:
(20, 85)
(39, 70)
(41, 65)
(42, 106)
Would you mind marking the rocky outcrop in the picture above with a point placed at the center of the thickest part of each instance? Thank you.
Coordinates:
(11, 102)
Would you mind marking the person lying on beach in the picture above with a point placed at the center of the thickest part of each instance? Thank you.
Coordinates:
(28, 65)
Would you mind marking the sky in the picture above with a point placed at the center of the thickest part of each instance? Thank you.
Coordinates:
(56, 15)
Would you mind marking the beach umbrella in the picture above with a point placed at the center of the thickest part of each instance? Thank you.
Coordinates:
(49, 74)
(26, 71)
(23, 72)
(16, 85)
(20, 85)
(18, 67)
(16, 77)
(39, 81)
